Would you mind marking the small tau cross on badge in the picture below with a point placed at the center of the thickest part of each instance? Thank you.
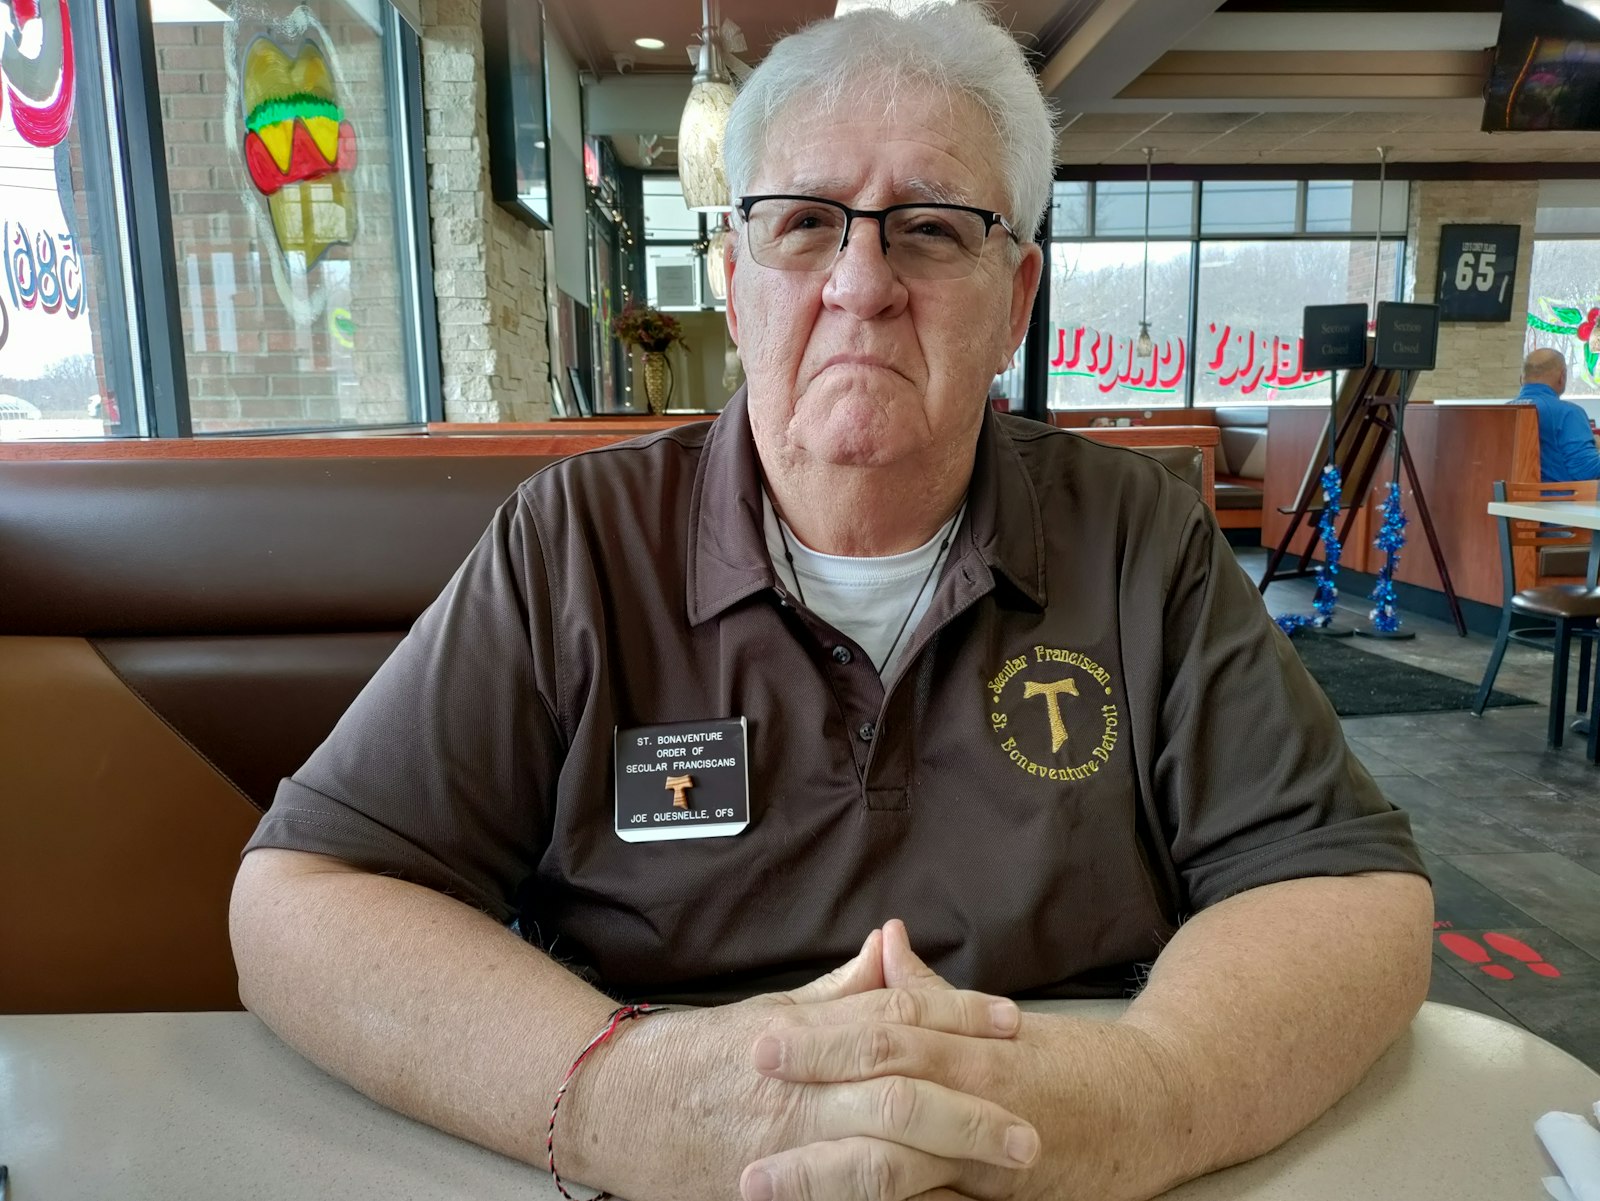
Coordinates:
(680, 786)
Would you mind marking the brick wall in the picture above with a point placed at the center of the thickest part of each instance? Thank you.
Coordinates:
(489, 267)
(253, 361)
(1476, 360)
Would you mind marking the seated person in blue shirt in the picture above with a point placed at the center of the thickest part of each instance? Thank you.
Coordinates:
(1566, 443)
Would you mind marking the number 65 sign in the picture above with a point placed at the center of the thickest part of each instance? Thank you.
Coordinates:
(1477, 271)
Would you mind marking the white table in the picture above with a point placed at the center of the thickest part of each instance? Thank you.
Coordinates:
(211, 1107)
(1580, 514)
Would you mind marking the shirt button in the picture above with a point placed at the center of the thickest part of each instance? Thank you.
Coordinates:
(842, 655)
(865, 731)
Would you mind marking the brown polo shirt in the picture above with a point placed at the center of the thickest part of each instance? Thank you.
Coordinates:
(1095, 731)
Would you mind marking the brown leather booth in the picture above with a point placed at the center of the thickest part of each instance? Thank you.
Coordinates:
(175, 636)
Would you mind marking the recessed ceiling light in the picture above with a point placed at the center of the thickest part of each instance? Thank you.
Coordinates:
(649, 43)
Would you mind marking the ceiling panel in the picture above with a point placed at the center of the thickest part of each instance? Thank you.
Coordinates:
(596, 32)
(1201, 123)
(1299, 138)
(1372, 122)
(1344, 31)
(1325, 130)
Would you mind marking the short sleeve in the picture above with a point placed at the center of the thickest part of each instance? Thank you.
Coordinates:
(1253, 777)
(443, 771)
(1579, 453)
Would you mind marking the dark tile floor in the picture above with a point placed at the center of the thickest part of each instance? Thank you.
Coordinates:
(1510, 831)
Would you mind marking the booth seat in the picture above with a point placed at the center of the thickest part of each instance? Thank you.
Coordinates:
(176, 635)
(1241, 465)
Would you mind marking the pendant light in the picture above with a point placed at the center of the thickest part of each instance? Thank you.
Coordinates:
(717, 257)
(1377, 237)
(705, 118)
(1145, 347)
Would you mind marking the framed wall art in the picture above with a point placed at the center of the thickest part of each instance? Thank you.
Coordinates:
(519, 111)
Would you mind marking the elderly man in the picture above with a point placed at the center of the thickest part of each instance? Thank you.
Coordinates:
(1566, 441)
(706, 714)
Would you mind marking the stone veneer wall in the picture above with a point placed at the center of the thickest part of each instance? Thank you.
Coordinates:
(489, 267)
(1476, 360)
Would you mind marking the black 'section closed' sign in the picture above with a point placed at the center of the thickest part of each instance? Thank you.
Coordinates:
(1408, 336)
(1335, 337)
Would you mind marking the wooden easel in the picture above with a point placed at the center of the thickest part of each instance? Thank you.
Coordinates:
(1370, 410)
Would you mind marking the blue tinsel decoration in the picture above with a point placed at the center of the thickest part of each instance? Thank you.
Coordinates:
(1391, 537)
(1327, 572)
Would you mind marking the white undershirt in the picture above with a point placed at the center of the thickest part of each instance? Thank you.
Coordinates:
(866, 598)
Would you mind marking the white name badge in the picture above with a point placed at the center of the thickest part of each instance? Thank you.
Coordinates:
(683, 780)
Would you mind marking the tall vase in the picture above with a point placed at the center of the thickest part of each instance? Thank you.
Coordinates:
(657, 380)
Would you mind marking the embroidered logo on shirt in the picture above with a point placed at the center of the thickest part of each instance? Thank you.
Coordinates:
(1052, 698)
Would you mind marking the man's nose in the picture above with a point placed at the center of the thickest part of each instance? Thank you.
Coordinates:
(861, 279)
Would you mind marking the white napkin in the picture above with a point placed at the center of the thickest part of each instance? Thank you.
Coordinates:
(1575, 1146)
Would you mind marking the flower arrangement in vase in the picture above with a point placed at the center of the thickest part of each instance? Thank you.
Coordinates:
(654, 333)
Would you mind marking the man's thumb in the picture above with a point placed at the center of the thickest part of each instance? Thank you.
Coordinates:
(902, 968)
(862, 974)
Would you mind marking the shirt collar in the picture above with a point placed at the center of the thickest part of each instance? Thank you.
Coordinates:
(1007, 529)
(727, 552)
(1537, 392)
(728, 558)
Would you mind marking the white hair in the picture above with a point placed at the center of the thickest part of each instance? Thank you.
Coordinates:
(870, 55)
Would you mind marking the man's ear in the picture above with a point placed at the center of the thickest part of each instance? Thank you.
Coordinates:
(728, 256)
(1024, 287)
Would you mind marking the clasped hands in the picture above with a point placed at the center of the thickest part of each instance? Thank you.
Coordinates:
(894, 1071)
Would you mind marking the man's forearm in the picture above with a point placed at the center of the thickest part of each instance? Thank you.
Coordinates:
(1261, 1013)
(425, 1005)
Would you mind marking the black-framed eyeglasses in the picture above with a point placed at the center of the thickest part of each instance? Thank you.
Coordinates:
(920, 241)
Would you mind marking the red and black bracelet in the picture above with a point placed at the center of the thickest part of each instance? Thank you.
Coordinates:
(618, 1016)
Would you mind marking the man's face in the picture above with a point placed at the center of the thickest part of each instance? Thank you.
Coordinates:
(855, 366)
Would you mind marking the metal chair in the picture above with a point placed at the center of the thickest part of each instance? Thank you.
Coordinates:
(1561, 612)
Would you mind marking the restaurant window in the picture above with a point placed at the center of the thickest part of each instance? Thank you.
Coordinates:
(1564, 286)
(1249, 206)
(66, 359)
(1095, 288)
(290, 180)
(1119, 209)
(1250, 316)
(1225, 298)
(674, 261)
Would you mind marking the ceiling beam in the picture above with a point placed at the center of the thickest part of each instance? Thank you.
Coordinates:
(1334, 75)
(1362, 6)
(1116, 44)
(628, 105)
(580, 35)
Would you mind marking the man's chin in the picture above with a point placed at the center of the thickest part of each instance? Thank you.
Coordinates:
(853, 434)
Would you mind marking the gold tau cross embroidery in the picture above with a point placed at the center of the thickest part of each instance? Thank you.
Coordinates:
(1052, 695)
(680, 786)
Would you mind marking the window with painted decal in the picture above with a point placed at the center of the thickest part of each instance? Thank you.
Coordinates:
(1095, 290)
(290, 217)
(1262, 252)
(66, 367)
(1564, 308)
(1252, 297)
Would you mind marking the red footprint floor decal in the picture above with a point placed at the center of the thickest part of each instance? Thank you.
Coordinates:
(1465, 948)
(1518, 949)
